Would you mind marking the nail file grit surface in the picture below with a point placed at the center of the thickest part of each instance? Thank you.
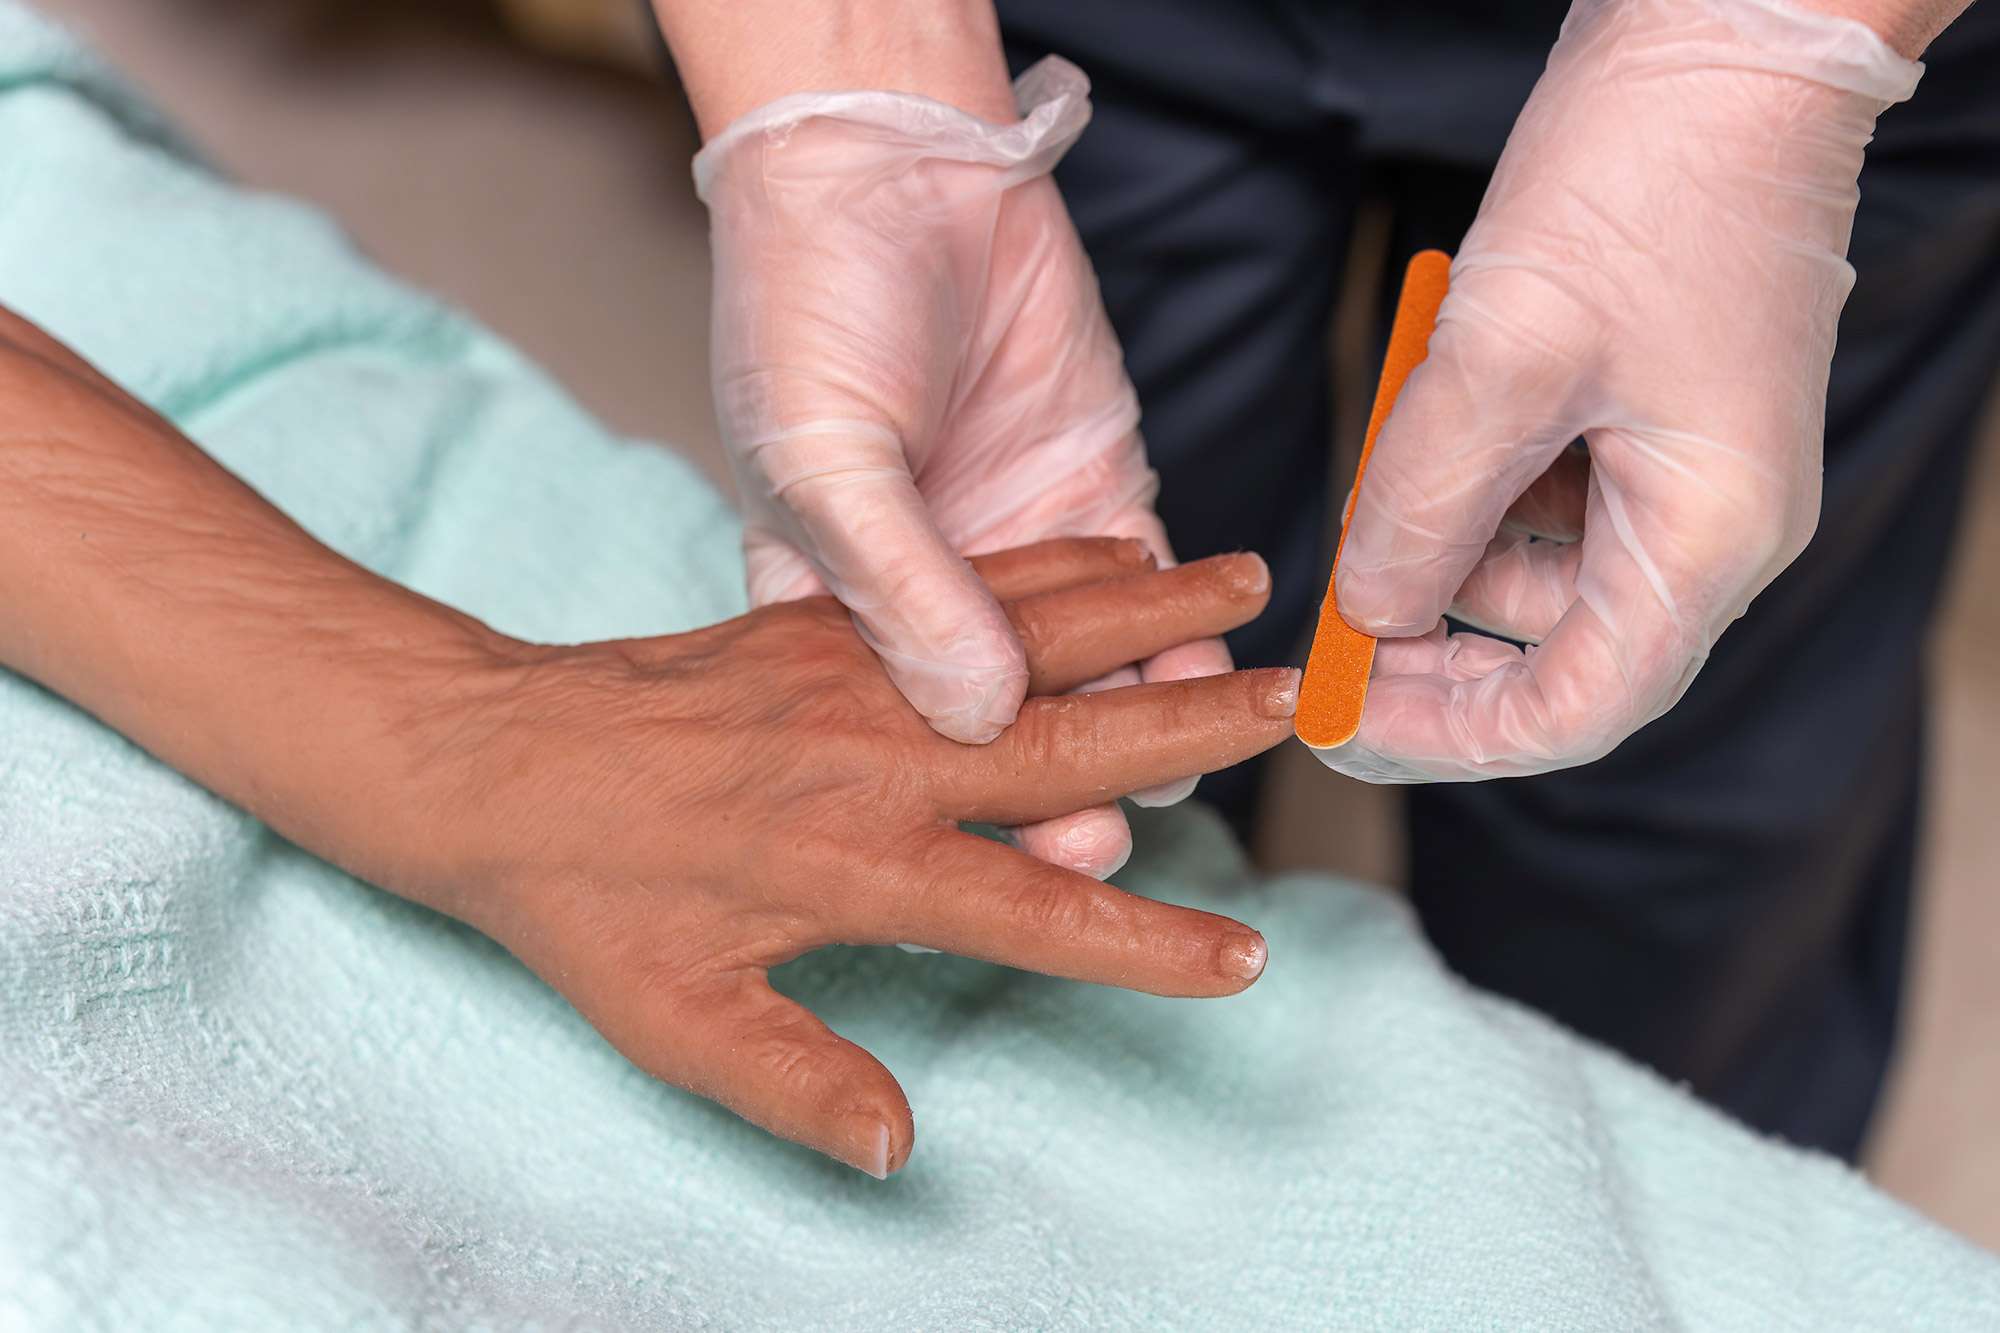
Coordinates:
(1336, 679)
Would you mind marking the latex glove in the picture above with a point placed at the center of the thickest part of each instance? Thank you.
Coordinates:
(911, 361)
(1657, 267)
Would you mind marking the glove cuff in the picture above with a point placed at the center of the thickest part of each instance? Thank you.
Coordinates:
(1771, 35)
(1053, 96)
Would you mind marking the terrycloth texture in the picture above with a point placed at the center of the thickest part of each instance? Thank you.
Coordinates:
(240, 1090)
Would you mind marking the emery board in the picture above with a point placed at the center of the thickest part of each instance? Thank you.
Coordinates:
(1336, 676)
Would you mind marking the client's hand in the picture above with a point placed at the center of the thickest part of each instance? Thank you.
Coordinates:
(649, 824)
(652, 824)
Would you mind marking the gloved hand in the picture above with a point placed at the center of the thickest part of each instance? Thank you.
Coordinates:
(911, 363)
(1657, 268)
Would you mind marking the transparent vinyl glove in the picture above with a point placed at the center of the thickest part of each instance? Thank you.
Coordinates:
(1657, 269)
(912, 364)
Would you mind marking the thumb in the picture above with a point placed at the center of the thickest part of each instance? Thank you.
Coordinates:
(939, 632)
(1480, 418)
(774, 570)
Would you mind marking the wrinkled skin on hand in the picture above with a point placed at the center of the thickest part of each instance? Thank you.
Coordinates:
(1658, 267)
(911, 360)
(651, 825)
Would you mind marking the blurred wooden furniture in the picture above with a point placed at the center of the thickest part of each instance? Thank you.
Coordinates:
(618, 32)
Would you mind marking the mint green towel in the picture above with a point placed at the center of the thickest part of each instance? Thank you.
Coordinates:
(240, 1090)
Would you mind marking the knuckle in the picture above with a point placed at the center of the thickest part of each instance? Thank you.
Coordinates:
(1180, 707)
(783, 1052)
(1046, 734)
(1769, 548)
(1517, 320)
(1108, 550)
(1050, 909)
(1034, 623)
(783, 1060)
(1798, 534)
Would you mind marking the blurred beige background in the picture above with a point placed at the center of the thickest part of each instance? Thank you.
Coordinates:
(544, 187)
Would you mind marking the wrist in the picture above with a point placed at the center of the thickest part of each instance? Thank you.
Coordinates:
(737, 55)
(475, 745)
(336, 728)
(1813, 42)
(394, 778)
(1907, 26)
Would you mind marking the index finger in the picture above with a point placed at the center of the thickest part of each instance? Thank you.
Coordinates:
(1065, 753)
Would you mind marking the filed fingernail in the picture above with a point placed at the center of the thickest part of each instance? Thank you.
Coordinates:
(1135, 552)
(1283, 698)
(1248, 574)
(870, 1142)
(1242, 956)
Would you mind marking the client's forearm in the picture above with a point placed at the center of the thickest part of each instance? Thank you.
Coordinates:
(149, 586)
(736, 55)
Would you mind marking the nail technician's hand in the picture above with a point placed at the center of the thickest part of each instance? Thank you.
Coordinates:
(912, 361)
(651, 825)
(1657, 267)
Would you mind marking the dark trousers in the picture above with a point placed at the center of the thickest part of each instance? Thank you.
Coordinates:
(1727, 896)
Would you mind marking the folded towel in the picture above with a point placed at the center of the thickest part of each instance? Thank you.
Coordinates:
(240, 1090)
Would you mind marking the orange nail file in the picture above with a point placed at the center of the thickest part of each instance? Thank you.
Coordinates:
(1336, 679)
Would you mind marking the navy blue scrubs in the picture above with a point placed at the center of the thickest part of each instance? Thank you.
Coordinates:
(1727, 896)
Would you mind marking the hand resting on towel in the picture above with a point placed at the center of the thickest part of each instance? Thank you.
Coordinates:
(649, 824)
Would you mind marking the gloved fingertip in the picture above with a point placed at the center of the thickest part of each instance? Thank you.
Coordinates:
(1330, 755)
(1387, 627)
(1106, 862)
(1097, 843)
(980, 719)
(966, 730)
(1366, 605)
(1189, 661)
(1353, 760)
(1167, 793)
(970, 705)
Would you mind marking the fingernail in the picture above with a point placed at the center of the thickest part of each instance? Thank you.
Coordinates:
(1283, 700)
(1384, 629)
(1242, 956)
(871, 1143)
(1133, 551)
(1353, 603)
(1248, 574)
